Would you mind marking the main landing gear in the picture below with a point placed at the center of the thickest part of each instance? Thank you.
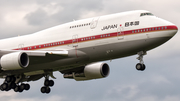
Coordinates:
(47, 84)
(141, 66)
(10, 83)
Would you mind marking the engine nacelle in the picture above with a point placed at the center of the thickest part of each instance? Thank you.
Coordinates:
(14, 61)
(91, 71)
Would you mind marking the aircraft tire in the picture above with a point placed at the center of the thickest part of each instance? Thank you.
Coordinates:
(51, 83)
(27, 87)
(13, 79)
(48, 90)
(17, 89)
(22, 86)
(46, 83)
(8, 79)
(4, 86)
(1, 88)
(43, 89)
(143, 67)
(140, 67)
(13, 85)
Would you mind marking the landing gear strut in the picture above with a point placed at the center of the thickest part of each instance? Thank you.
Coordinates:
(141, 66)
(47, 84)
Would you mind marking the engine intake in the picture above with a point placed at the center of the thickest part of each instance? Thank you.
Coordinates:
(14, 61)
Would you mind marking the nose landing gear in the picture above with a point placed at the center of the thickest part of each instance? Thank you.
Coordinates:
(141, 66)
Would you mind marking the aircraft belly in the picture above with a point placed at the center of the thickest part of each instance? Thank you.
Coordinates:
(122, 49)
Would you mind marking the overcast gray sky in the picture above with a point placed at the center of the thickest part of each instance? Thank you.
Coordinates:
(159, 82)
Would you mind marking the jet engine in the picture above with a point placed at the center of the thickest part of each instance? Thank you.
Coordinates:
(14, 61)
(91, 71)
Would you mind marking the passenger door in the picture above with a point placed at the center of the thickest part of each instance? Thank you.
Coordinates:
(120, 33)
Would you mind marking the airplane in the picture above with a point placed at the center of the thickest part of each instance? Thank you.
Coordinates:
(77, 49)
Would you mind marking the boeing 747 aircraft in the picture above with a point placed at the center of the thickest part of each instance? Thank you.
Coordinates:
(76, 49)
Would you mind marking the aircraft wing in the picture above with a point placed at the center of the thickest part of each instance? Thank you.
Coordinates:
(37, 57)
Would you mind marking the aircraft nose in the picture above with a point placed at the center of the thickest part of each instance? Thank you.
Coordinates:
(173, 29)
(170, 28)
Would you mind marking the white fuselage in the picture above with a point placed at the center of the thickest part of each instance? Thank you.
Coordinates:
(96, 39)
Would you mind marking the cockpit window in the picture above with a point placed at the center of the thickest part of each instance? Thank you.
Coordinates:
(145, 14)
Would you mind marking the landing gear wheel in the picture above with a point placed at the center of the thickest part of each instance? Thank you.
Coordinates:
(144, 67)
(21, 90)
(8, 79)
(48, 90)
(17, 89)
(46, 82)
(4, 86)
(43, 90)
(13, 85)
(22, 86)
(1, 88)
(27, 87)
(13, 79)
(140, 67)
(51, 83)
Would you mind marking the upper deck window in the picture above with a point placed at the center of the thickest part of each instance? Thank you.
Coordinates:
(145, 14)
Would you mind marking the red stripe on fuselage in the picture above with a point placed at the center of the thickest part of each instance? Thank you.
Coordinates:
(102, 36)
